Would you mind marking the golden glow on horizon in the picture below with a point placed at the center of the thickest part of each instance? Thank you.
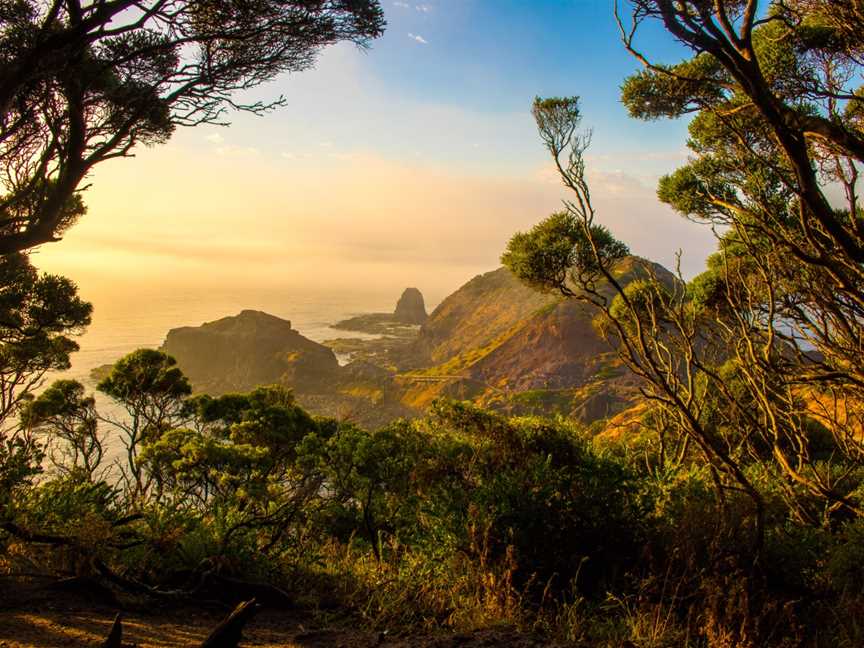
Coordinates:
(180, 213)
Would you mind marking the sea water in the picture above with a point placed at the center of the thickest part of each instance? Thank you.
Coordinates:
(123, 322)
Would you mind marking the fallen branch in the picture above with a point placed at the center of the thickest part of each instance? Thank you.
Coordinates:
(42, 538)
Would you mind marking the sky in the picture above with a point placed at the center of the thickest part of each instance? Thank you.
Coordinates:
(408, 163)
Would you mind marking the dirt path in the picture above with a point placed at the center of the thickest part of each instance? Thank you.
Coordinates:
(33, 617)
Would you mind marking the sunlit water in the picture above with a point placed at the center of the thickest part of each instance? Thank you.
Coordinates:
(125, 322)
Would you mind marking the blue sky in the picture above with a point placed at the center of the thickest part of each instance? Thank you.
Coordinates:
(496, 56)
(483, 58)
(410, 163)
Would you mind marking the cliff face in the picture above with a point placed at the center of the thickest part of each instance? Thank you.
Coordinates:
(253, 348)
(485, 308)
(511, 347)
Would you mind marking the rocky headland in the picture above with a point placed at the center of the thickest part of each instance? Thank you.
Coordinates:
(252, 348)
(392, 333)
(241, 352)
(409, 313)
(511, 348)
(493, 341)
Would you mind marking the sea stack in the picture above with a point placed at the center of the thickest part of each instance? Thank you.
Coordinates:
(410, 309)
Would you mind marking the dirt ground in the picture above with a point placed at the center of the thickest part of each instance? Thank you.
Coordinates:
(33, 615)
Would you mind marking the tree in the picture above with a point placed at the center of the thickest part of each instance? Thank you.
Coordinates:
(651, 324)
(239, 468)
(151, 388)
(778, 121)
(759, 355)
(39, 314)
(81, 83)
(777, 126)
(70, 420)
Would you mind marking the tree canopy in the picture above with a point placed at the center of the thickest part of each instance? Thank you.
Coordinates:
(39, 314)
(758, 358)
(84, 82)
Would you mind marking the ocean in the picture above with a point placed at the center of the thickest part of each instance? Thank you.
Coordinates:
(124, 321)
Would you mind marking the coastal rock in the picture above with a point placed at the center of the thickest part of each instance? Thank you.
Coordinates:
(253, 348)
(409, 313)
(410, 309)
(239, 353)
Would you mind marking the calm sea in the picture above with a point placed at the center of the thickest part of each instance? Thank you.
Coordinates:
(124, 322)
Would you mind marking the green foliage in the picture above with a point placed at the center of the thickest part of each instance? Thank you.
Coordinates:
(536, 487)
(151, 388)
(545, 256)
(21, 459)
(39, 314)
(266, 417)
(673, 90)
(200, 466)
(462, 519)
(641, 300)
(145, 375)
(557, 119)
(70, 419)
(70, 503)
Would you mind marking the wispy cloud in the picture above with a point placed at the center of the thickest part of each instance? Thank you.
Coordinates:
(423, 8)
(404, 5)
(418, 38)
(214, 138)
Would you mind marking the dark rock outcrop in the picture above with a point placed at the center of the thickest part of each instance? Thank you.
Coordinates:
(410, 309)
(410, 312)
(239, 353)
(253, 348)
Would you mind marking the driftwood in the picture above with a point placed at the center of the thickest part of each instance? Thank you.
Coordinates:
(228, 633)
(115, 636)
